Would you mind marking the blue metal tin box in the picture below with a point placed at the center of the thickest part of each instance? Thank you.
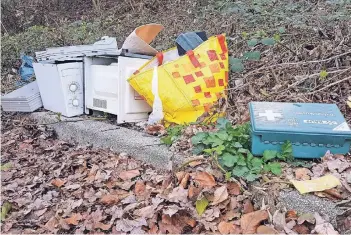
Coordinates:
(311, 128)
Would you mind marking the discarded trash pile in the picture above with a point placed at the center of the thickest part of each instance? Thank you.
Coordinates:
(185, 84)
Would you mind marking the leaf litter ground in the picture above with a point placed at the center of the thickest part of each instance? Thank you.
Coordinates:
(51, 186)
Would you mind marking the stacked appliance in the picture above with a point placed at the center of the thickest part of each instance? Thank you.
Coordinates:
(91, 77)
(106, 46)
(24, 99)
(107, 88)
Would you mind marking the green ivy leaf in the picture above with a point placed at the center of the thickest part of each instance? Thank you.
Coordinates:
(5, 208)
(201, 205)
(198, 138)
(268, 41)
(219, 149)
(236, 65)
(269, 155)
(198, 149)
(276, 37)
(242, 150)
(237, 145)
(275, 168)
(5, 166)
(281, 30)
(252, 55)
(252, 42)
(229, 160)
(251, 177)
(323, 74)
(167, 140)
(241, 161)
(244, 35)
(287, 151)
(240, 171)
(222, 135)
(223, 123)
(256, 162)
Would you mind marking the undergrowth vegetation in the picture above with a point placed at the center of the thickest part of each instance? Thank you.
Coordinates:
(230, 146)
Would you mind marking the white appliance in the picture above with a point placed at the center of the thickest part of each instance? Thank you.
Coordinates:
(106, 46)
(61, 87)
(24, 99)
(107, 88)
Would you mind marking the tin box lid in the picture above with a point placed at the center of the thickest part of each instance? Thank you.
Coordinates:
(306, 118)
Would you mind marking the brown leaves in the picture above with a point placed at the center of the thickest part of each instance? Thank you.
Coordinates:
(233, 188)
(266, 230)
(302, 174)
(127, 175)
(58, 182)
(110, 199)
(228, 228)
(139, 188)
(156, 129)
(74, 219)
(205, 179)
(220, 195)
(247, 206)
(249, 222)
(51, 224)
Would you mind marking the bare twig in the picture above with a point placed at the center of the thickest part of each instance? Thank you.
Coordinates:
(330, 85)
(190, 161)
(297, 63)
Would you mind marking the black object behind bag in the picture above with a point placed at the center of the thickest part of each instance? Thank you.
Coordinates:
(189, 41)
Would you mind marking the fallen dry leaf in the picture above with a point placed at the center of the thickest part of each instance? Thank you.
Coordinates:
(188, 220)
(156, 129)
(127, 225)
(153, 229)
(247, 206)
(301, 229)
(266, 230)
(127, 175)
(233, 188)
(74, 219)
(180, 175)
(139, 188)
(291, 215)
(338, 164)
(51, 224)
(193, 192)
(185, 180)
(178, 194)
(228, 228)
(249, 222)
(205, 179)
(279, 220)
(220, 195)
(306, 217)
(302, 174)
(58, 182)
(145, 212)
(334, 192)
(195, 163)
(110, 199)
(102, 226)
(322, 226)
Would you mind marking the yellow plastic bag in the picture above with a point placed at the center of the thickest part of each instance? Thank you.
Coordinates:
(316, 185)
(189, 85)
